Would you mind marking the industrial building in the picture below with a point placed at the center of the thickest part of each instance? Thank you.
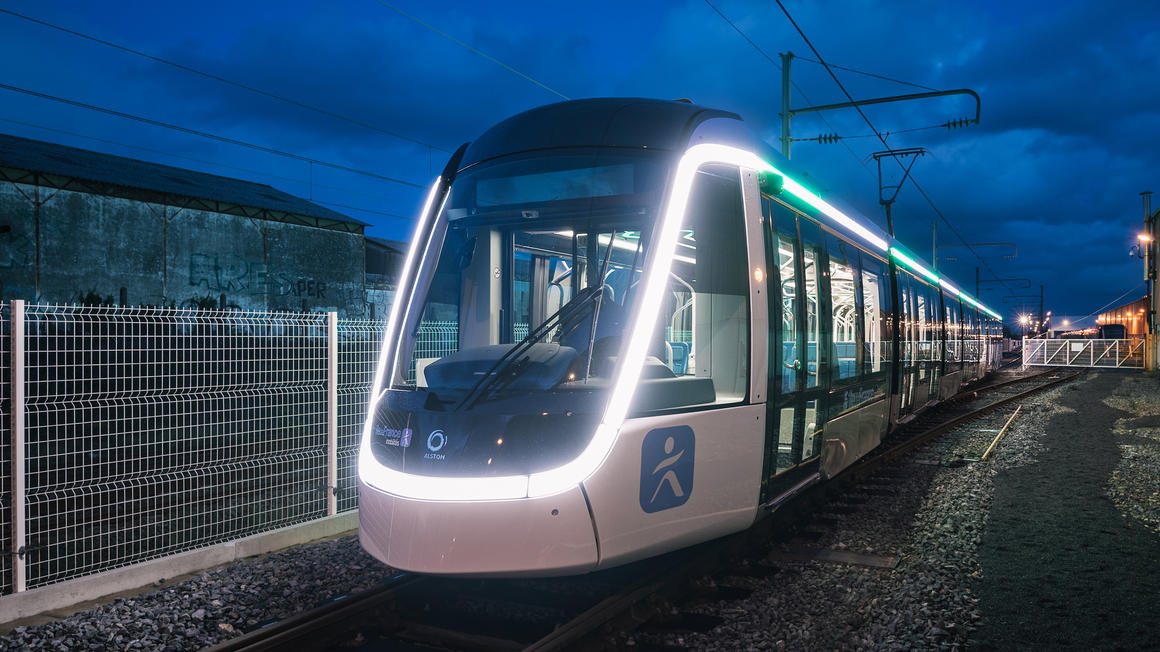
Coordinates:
(1133, 316)
(81, 226)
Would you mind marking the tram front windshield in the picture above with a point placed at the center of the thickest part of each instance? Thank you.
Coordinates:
(520, 310)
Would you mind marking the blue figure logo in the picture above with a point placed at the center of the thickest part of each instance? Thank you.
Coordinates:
(666, 468)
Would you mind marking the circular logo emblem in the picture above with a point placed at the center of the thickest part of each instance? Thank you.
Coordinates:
(436, 440)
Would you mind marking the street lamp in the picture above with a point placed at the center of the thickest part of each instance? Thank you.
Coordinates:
(1024, 320)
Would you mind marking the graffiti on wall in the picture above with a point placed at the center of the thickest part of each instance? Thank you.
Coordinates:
(232, 274)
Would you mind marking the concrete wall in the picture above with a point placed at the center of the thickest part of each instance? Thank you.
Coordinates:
(168, 256)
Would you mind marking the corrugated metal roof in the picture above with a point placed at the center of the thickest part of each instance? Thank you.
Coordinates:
(394, 245)
(50, 158)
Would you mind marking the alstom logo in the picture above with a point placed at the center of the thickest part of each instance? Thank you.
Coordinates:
(435, 443)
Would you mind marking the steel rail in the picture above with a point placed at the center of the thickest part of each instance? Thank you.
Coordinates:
(924, 437)
(304, 630)
(969, 392)
(638, 602)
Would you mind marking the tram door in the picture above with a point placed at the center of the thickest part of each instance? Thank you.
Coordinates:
(797, 379)
(908, 367)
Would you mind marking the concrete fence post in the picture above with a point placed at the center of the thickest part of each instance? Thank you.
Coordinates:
(19, 559)
(331, 413)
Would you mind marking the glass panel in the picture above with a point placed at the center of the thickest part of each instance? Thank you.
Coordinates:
(813, 442)
(906, 337)
(922, 322)
(515, 326)
(813, 324)
(950, 346)
(872, 310)
(785, 455)
(789, 311)
(845, 324)
(704, 358)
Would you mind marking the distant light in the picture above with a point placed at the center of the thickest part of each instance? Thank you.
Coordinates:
(1066, 323)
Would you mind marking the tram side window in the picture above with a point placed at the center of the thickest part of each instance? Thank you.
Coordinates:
(811, 255)
(953, 344)
(922, 324)
(705, 315)
(904, 317)
(934, 330)
(844, 312)
(875, 339)
(789, 299)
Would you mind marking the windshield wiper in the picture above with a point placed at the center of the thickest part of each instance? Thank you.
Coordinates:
(565, 318)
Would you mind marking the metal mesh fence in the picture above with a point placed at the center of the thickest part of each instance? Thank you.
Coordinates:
(1122, 353)
(153, 431)
(5, 452)
(358, 353)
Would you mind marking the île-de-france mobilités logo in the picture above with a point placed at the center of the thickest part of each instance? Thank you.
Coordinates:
(666, 468)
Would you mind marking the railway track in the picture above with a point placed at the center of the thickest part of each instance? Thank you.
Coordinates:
(600, 610)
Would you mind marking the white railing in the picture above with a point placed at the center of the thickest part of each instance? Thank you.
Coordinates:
(1125, 353)
(130, 434)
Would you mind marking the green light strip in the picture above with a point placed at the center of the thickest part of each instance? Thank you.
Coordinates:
(825, 208)
(913, 264)
(916, 266)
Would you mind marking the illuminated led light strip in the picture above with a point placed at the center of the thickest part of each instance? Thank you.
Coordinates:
(571, 474)
(822, 205)
(968, 298)
(913, 264)
(392, 320)
(405, 484)
(567, 476)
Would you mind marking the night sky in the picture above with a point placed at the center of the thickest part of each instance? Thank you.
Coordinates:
(1070, 95)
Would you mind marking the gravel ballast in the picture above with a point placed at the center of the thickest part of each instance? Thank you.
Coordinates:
(930, 515)
(214, 606)
(1054, 542)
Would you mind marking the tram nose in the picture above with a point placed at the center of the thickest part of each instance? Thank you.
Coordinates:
(529, 536)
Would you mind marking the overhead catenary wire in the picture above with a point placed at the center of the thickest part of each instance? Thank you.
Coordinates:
(224, 80)
(870, 74)
(777, 65)
(1110, 303)
(472, 49)
(203, 134)
(865, 118)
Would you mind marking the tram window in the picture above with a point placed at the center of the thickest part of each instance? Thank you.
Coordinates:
(934, 326)
(953, 343)
(811, 236)
(521, 293)
(706, 310)
(904, 317)
(874, 338)
(789, 299)
(844, 313)
(436, 332)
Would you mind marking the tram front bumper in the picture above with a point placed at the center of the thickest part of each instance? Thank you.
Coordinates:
(522, 537)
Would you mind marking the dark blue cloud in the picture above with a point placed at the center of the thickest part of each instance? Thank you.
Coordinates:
(1069, 101)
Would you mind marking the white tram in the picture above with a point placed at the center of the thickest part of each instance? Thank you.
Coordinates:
(625, 326)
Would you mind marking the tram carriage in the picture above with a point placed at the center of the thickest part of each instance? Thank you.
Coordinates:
(657, 333)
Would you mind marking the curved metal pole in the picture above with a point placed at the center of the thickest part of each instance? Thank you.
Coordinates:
(895, 98)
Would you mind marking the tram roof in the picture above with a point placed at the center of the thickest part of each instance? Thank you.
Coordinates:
(599, 122)
(665, 125)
